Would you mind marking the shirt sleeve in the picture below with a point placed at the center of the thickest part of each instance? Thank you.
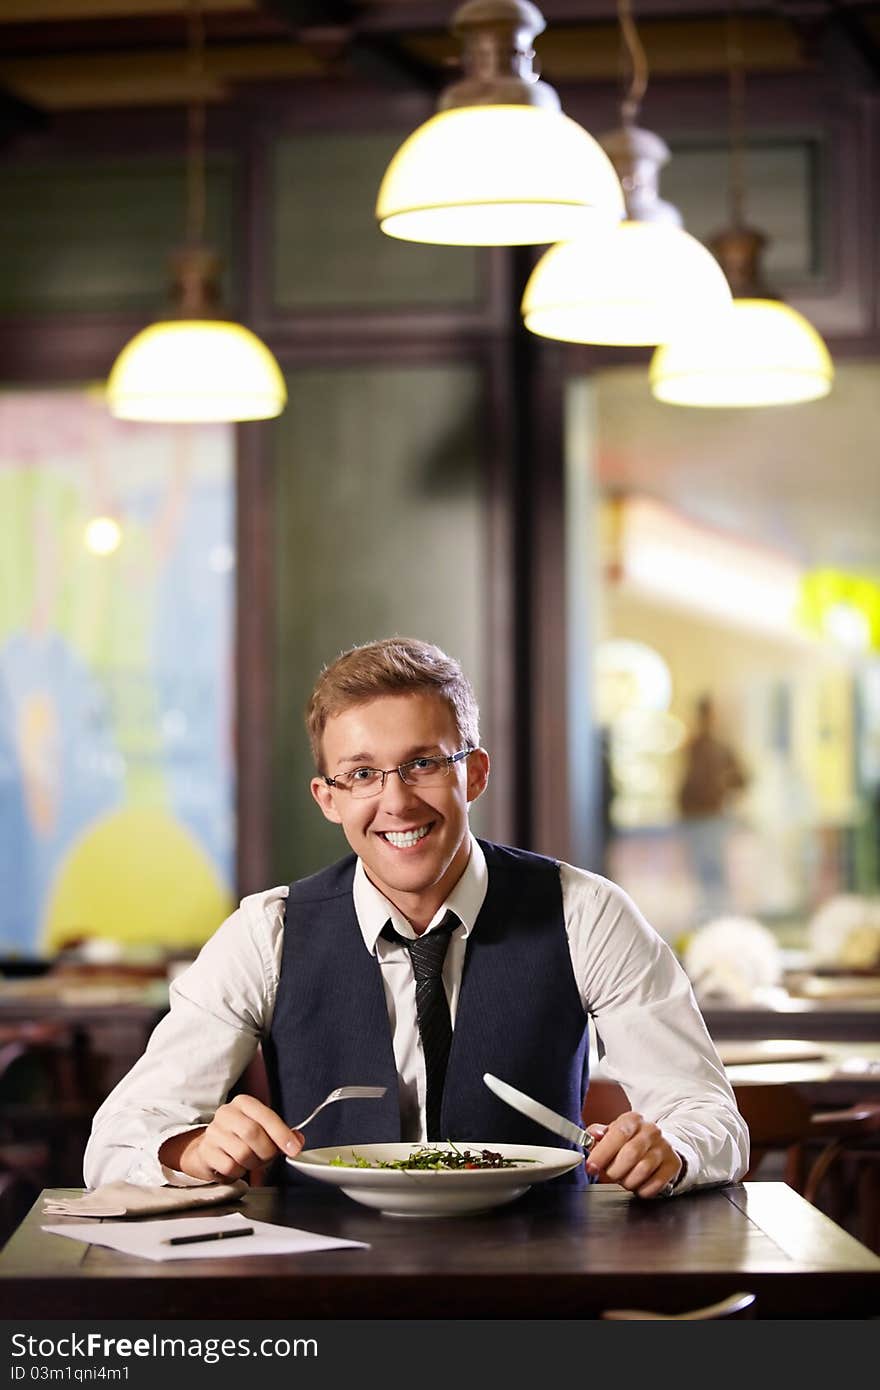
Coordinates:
(651, 1035)
(220, 1007)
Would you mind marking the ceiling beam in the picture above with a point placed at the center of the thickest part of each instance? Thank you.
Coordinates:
(331, 28)
(308, 14)
(420, 16)
(127, 34)
(834, 32)
(864, 48)
(382, 60)
(18, 117)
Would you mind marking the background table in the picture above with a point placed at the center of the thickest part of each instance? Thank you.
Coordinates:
(109, 1024)
(553, 1254)
(833, 1020)
(816, 1067)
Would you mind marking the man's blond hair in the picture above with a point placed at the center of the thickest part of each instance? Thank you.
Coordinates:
(394, 666)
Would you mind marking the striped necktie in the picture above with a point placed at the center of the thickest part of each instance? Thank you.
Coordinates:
(428, 953)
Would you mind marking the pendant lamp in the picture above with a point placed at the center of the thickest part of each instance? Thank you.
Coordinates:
(196, 365)
(762, 352)
(647, 278)
(499, 164)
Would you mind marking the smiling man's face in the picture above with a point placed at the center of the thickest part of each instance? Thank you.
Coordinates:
(414, 841)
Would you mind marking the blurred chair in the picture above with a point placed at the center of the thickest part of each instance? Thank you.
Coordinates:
(737, 1305)
(44, 1117)
(820, 1149)
(605, 1101)
(830, 1156)
(779, 1118)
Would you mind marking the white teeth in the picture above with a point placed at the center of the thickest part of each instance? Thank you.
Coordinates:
(401, 839)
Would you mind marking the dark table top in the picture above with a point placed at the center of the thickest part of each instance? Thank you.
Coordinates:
(560, 1253)
(832, 1020)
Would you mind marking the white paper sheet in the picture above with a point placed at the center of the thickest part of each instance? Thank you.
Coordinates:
(147, 1239)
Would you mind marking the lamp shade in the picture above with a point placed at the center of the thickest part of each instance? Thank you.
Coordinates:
(641, 284)
(196, 370)
(498, 175)
(760, 352)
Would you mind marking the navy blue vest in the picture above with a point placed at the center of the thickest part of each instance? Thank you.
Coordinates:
(519, 1013)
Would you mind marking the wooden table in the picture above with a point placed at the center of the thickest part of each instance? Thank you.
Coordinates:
(553, 1254)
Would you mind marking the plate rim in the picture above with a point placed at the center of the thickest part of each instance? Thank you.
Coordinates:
(567, 1160)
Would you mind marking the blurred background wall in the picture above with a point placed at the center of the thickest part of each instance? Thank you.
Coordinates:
(437, 471)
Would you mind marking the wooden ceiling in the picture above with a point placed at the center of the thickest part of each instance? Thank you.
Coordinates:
(67, 55)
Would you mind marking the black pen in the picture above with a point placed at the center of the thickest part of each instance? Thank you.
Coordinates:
(212, 1235)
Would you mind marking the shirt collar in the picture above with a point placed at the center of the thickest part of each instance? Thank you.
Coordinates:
(465, 899)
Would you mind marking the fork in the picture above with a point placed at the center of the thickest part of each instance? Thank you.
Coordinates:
(344, 1093)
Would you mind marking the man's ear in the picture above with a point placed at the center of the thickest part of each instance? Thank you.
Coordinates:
(477, 773)
(325, 799)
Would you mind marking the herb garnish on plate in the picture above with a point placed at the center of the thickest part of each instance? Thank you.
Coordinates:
(427, 1159)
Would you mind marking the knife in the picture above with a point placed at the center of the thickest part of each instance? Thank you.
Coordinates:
(540, 1113)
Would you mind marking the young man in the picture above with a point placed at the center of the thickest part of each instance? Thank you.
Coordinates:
(331, 977)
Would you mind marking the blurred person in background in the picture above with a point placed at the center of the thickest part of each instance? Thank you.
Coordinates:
(713, 774)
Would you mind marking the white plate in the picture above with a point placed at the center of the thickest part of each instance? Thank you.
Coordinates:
(420, 1192)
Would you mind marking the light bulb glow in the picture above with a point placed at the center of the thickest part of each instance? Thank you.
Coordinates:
(102, 535)
(843, 607)
(630, 676)
(497, 176)
(761, 352)
(640, 283)
(196, 370)
(845, 624)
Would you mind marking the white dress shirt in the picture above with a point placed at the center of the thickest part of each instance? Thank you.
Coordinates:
(648, 1027)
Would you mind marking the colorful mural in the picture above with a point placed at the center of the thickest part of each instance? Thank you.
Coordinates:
(116, 630)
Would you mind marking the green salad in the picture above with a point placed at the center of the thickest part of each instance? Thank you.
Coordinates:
(428, 1159)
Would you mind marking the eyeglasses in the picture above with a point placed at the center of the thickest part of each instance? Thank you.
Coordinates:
(419, 772)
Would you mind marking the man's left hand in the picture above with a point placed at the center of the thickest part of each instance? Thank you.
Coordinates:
(631, 1151)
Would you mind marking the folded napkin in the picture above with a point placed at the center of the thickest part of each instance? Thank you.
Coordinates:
(127, 1199)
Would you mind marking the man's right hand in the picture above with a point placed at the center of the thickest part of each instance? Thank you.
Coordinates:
(243, 1135)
